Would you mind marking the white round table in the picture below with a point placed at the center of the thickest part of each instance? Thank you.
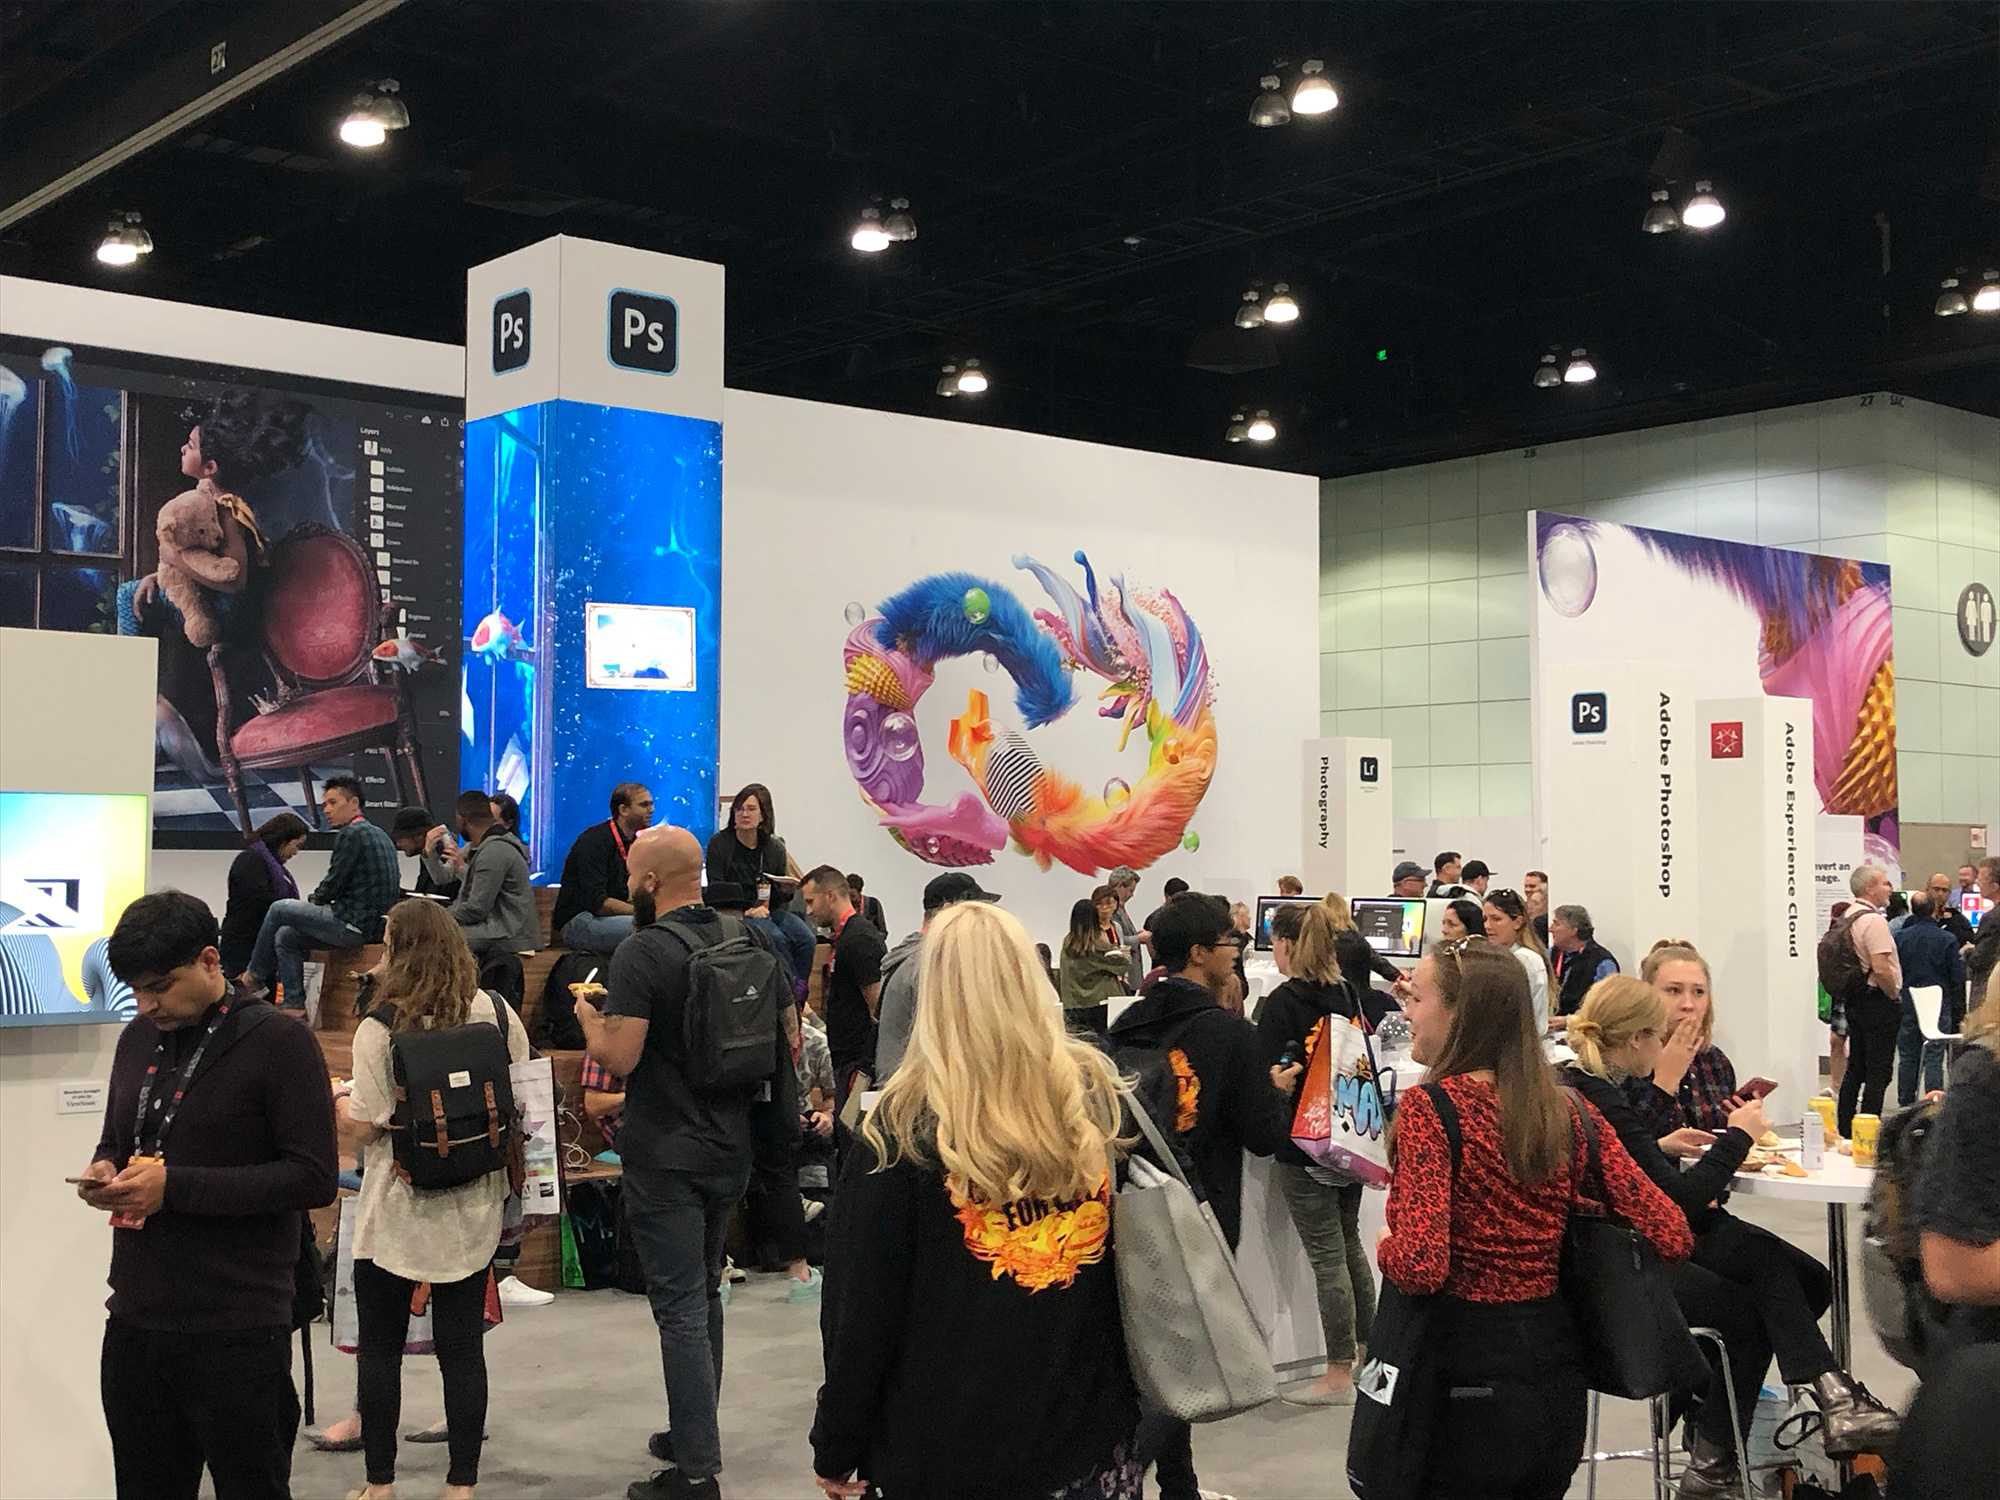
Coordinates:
(1837, 1184)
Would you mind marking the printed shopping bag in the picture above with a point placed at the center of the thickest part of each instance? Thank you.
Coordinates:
(1342, 1117)
(540, 1198)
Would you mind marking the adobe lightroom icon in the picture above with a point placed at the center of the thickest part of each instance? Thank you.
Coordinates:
(1587, 713)
(1371, 770)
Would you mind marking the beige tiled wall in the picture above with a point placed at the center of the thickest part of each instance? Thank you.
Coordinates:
(1424, 589)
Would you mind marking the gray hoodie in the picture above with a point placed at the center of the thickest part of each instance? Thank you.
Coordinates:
(896, 1014)
(496, 904)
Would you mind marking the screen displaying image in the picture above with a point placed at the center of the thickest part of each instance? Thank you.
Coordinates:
(639, 646)
(1392, 927)
(1266, 907)
(70, 863)
(1974, 907)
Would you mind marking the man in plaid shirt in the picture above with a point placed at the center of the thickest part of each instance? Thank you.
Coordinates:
(346, 910)
(603, 1098)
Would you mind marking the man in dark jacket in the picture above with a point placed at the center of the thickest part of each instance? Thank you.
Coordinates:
(1984, 954)
(1579, 958)
(1929, 956)
(1227, 1100)
(496, 904)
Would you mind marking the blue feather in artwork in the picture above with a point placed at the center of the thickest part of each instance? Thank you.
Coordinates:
(929, 623)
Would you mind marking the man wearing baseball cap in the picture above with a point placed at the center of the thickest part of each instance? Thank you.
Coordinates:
(1409, 880)
(898, 1010)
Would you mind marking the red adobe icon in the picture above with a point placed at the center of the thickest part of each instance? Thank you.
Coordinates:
(1725, 740)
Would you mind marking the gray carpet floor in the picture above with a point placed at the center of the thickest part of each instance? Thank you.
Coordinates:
(576, 1389)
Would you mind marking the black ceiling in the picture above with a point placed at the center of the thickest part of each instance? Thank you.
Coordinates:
(1090, 197)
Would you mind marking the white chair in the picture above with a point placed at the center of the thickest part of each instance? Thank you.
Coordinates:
(1661, 1453)
(1928, 999)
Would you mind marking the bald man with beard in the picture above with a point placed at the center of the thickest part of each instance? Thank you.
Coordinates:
(687, 1153)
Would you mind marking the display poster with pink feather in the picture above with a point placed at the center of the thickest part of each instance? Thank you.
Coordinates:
(1744, 619)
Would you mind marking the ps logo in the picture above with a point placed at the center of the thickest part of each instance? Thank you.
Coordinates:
(510, 332)
(644, 332)
(1371, 770)
(1586, 713)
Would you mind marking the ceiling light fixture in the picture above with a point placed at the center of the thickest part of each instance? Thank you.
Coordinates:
(1281, 308)
(1251, 313)
(900, 226)
(1237, 431)
(124, 242)
(373, 114)
(1261, 429)
(1546, 373)
(869, 236)
(971, 379)
(1579, 370)
(1704, 209)
(1314, 94)
(1987, 298)
(1951, 301)
(1269, 108)
(1660, 218)
(948, 382)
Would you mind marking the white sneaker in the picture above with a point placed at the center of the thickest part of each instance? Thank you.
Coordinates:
(515, 1292)
(1215, 1495)
(732, 1271)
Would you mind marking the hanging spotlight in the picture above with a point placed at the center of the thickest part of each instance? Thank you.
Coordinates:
(1250, 314)
(1579, 370)
(373, 115)
(124, 242)
(1704, 209)
(1951, 301)
(948, 383)
(1281, 308)
(1237, 431)
(1314, 94)
(899, 226)
(1546, 373)
(1660, 218)
(971, 379)
(1269, 108)
(1987, 298)
(869, 236)
(1261, 429)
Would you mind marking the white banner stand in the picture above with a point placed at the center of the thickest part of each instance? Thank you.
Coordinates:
(1348, 843)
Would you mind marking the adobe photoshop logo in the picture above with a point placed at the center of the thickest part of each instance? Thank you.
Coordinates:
(511, 345)
(1371, 770)
(1587, 713)
(643, 332)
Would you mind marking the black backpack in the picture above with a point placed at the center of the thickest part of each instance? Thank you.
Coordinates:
(455, 1119)
(1911, 1323)
(735, 990)
(1841, 973)
(559, 1029)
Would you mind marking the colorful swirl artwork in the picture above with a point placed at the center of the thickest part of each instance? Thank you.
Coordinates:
(1139, 641)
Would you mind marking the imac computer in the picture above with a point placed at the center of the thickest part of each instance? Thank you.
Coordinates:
(1266, 905)
(1394, 928)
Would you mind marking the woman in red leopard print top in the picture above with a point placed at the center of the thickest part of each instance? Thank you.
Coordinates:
(1487, 1236)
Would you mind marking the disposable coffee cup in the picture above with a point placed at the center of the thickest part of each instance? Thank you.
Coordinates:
(1866, 1129)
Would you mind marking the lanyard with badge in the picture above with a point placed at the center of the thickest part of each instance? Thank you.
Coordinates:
(172, 1105)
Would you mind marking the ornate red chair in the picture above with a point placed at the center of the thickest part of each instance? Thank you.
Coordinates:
(322, 619)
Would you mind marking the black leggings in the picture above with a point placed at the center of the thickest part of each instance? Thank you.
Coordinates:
(458, 1321)
(1873, 1019)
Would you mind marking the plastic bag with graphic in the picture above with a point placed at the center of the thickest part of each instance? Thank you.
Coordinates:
(1342, 1119)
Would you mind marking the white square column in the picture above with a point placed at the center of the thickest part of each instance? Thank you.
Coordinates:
(1349, 840)
(1619, 818)
(1755, 823)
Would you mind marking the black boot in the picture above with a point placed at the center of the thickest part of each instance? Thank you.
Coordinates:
(1711, 1473)
(1855, 1421)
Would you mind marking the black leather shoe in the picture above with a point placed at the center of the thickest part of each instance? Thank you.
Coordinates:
(661, 1446)
(1855, 1422)
(672, 1484)
(1711, 1473)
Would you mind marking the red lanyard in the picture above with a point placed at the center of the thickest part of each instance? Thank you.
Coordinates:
(617, 842)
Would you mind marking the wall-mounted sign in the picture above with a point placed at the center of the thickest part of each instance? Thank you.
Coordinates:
(1975, 619)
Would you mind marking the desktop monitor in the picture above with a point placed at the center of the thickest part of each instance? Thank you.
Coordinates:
(1393, 928)
(1266, 906)
(70, 863)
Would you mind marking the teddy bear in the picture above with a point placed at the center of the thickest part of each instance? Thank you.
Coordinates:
(190, 532)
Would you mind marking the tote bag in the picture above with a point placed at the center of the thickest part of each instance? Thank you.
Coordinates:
(1196, 1348)
(1342, 1119)
(539, 1199)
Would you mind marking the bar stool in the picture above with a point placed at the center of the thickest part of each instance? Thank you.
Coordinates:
(1661, 1453)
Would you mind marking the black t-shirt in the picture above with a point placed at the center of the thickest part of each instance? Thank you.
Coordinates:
(667, 1123)
(727, 860)
(593, 873)
(857, 963)
(1958, 1192)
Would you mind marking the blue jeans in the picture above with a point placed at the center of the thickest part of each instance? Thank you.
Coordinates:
(590, 933)
(798, 941)
(678, 1221)
(291, 930)
(1911, 1052)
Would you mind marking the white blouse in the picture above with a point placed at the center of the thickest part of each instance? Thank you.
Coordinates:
(1538, 984)
(438, 1235)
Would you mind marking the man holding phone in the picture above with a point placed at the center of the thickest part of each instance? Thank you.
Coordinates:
(218, 1131)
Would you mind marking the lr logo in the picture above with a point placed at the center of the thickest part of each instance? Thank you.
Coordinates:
(1371, 770)
(1587, 713)
(511, 345)
(644, 332)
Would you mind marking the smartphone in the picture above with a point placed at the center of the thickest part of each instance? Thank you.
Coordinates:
(80, 1181)
(1756, 1088)
(1290, 1055)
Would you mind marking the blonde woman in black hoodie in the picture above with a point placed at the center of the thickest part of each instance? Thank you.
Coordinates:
(1325, 1203)
(970, 1324)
